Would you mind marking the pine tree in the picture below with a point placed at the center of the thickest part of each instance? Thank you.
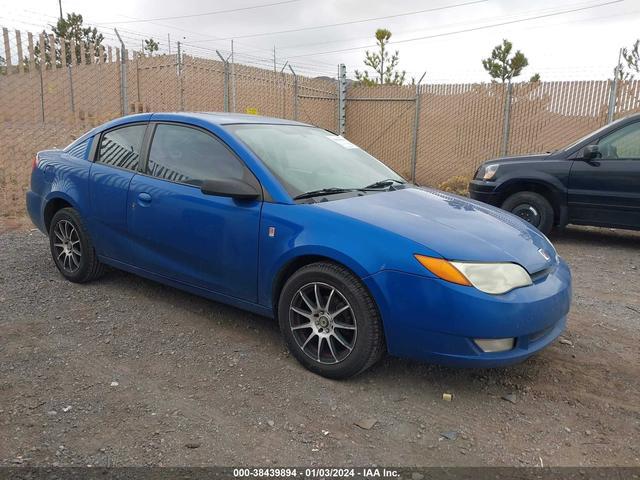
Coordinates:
(503, 66)
(383, 64)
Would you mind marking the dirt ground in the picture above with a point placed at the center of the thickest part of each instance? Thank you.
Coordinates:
(125, 371)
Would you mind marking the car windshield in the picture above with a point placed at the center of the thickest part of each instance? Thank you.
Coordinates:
(308, 159)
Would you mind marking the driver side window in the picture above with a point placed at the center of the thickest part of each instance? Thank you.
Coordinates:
(187, 155)
(621, 144)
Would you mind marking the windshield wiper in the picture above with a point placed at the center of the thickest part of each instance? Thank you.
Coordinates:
(387, 182)
(334, 190)
(324, 191)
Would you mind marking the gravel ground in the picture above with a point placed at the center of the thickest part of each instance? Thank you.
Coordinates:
(125, 371)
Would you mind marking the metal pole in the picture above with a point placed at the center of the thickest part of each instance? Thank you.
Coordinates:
(295, 93)
(226, 81)
(613, 93)
(274, 59)
(180, 84)
(41, 86)
(233, 81)
(342, 98)
(70, 74)
(123, 75)
(169, 42)
(507, 120)
(416, 124)
(284, 89)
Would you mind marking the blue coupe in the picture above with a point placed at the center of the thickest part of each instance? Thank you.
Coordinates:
(293, 222)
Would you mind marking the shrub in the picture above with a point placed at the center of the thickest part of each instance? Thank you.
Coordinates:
(457, 185)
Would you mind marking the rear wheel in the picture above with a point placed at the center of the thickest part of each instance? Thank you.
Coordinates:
(330, 321)
(531, 207)
(71, 247)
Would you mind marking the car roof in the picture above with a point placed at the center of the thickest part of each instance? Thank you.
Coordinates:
(212, 118)
(224, 118)
(215, 118)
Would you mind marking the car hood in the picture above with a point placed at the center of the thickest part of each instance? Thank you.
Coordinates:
(455, 227)
(534, 157)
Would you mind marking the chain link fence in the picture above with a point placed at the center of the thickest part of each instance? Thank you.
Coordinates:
(52, 90)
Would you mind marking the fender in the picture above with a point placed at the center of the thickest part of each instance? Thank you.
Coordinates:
(50, 197)
(276, 269)
(551, 183)
(554, 184)
(59, 194)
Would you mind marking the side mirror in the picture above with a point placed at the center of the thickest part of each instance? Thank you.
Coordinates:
(229, 187)
(590, 152)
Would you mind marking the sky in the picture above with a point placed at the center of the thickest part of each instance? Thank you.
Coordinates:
(447, 39)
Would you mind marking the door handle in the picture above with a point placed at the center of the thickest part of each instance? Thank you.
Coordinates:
(144, 199)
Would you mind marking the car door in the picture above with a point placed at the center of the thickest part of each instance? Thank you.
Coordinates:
(178, 231)
(606, 190)
(116, 162)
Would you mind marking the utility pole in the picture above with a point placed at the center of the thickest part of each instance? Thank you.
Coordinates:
(169, 42)
(60, 5)
(274, 59)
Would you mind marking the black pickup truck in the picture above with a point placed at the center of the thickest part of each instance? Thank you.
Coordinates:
(593, 181)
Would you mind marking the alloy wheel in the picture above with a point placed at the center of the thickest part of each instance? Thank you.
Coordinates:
(323, 323)
(67, 246)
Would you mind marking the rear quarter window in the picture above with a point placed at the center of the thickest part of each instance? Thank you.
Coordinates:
(78, 150)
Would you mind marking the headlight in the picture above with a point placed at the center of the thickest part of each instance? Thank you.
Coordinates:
(493, 278)
(487, 172)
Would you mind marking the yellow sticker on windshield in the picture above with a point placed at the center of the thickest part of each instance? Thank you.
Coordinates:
(343, 142)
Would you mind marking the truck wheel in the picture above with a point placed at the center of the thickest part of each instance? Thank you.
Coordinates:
(71, 248)
(531, 207)
(329, 321)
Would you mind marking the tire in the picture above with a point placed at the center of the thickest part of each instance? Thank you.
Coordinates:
(71, 248)
(349, 331)
(533, 208)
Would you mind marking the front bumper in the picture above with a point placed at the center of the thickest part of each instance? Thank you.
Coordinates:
(436, 321)
(484, 191)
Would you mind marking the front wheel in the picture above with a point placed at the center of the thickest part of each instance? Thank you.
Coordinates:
(531, 207)
(329, 321)
(71, 247)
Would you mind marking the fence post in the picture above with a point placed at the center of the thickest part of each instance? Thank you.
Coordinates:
(232, 80)
(40, 70)
(123, 75)
(416, 125)
(342, 98)
(225, 91)
(613, 92)
(63, 64)
(21, 67)
(7, 50)
(180, 80)
(283, 76)
(507, 120)
(295, 93)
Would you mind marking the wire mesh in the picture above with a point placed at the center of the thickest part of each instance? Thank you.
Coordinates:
(53, 89)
